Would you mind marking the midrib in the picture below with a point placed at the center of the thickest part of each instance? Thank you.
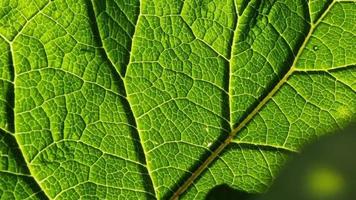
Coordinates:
(253, 113)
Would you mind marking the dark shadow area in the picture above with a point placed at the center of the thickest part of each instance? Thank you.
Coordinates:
(231, 39)
(10, 95)
(325, 6)
(325, 170)
(34, 186)
(243, 5)
(94, 26)
(10, 98)
(10, 142)
(11, 65)
(101, 7)
(307, 14)
(225, 192)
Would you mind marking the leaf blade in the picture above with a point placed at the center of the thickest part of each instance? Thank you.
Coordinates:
(128, 100)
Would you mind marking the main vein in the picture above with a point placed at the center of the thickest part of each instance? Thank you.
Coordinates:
(214, 155)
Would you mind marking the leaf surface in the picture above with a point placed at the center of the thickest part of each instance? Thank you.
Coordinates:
(164, 98)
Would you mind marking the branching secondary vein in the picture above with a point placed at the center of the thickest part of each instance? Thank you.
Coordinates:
(250, 116)
(11, 130)
(30, 19)
(122, 76)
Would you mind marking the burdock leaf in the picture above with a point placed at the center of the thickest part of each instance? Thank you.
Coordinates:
(128, 99)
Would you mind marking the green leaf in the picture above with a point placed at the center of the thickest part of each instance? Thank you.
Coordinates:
(165, 98)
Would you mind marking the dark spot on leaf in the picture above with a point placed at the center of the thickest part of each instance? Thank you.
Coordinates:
(226, 192)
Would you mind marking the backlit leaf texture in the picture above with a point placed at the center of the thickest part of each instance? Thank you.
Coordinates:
(159, 99)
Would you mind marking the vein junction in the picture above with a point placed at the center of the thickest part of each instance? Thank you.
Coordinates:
(231, 138)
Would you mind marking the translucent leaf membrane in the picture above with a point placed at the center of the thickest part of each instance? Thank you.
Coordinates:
(164, 99)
